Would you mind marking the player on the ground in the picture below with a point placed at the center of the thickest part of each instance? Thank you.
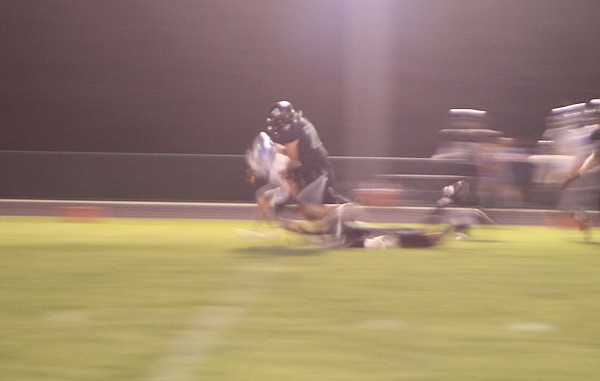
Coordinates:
(338, 222)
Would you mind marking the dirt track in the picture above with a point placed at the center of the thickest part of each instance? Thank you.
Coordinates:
(125, 209)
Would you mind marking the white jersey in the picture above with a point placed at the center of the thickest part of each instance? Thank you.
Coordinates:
(278, 166)
(277, 189)
(271, 166)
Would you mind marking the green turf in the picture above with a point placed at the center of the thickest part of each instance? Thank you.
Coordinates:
(193, 300)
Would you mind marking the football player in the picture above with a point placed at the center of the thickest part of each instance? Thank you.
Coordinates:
(309, 158)
(267, 164)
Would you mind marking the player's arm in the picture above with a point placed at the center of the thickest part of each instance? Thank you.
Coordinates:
(288, 183)
(291, 150)
(250, 177)
(280, 148)
(591, 161)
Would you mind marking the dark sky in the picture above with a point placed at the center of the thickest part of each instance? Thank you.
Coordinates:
(197, 76)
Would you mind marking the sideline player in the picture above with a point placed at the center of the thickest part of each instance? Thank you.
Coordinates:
(309, 158)
(590, 162)
(580, 218)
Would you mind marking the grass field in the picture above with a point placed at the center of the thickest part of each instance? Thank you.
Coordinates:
(124, 299)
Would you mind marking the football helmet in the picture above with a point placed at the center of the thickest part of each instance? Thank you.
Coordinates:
(280, 115)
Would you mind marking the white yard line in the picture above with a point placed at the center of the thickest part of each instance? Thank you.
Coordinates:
(194, 345)
(532, 326)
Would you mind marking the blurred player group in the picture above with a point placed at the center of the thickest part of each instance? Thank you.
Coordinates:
(289, 164)
(292, 164)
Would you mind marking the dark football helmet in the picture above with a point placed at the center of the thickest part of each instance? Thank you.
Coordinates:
(280, 115)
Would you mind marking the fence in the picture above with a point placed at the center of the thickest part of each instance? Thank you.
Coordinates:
(220, 178)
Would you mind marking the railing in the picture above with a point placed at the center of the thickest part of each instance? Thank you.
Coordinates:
(220, 178)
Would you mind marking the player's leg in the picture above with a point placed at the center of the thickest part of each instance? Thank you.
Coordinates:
(421, 239)
(302, 226)
(325, 171)
(269, 198)
(314, 191)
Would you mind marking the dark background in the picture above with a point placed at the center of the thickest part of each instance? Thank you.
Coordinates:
(185, 76)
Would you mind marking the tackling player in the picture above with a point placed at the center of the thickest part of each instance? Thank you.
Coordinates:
(309, 158)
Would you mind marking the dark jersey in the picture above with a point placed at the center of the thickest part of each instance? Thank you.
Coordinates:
(355, 235)
(311, 152)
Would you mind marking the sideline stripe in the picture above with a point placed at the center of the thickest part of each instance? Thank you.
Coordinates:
(244, 211)
(107, 202)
